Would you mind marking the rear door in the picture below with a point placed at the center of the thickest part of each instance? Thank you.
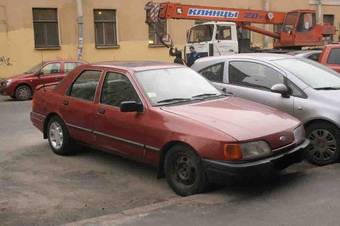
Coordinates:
(253, 81)
(78, 107)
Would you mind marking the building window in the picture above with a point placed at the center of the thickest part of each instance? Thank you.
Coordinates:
(45, 23)
(105, 27)
(162, 30)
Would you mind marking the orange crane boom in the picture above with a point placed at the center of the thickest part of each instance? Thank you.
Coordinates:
(299, 27)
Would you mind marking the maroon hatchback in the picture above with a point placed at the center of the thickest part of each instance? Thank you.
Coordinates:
(168, 116)
(21, 87)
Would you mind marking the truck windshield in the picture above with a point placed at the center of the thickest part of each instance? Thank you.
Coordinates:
(201, 33)
(174, 85)
(312, 73)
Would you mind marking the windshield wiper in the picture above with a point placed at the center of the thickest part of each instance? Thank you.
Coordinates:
(173, 100)
(328, 88)
(207, 95)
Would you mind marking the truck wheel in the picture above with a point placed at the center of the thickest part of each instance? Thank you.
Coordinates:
(184, 171)
(58, 137)
(325, 144)
(23, 92)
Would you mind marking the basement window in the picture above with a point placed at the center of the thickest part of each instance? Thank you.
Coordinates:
(45, 24)
(105, 28)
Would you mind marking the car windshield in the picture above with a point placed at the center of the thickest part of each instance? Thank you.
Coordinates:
(34, 69)
(312, 73)
(201, 33)
(174, 85)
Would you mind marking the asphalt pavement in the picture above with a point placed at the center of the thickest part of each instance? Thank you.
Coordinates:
(38, 187)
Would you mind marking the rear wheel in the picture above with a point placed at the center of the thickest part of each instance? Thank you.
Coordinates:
(23, 92)
(184, 171)
(58, 137)
(325, 144)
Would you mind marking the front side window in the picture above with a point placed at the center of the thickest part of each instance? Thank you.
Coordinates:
(290, 22)
(70, 66)
(334, 56)
(105, 27)
(116, 89)
(306, 22)
(53, 68)
(314, 56)
(312, 73)
(201, 33)
(253, 75)
(161, 28)
(223, 33)
(45, 24)
(214, 73)
(166, 86)
(85, 85)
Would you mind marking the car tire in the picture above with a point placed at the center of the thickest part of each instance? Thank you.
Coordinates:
(23, 92)
(59, 138)
(325, 143)
(184, 171)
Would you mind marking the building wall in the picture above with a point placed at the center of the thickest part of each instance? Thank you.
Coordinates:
(17, 52)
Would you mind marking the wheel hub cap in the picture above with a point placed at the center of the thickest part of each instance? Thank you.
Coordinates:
(323, 144)
(56, 135)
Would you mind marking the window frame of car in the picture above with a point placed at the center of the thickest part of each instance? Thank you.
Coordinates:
(131, 80)
(48, 63)
(212, 65)
(69, 88)
(286, 79)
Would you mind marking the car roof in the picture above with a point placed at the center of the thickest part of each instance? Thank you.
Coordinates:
(136, 65)
(258, 56)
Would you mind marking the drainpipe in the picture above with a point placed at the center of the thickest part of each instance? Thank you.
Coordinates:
(266, 26)
(319, 11)
(80, 22)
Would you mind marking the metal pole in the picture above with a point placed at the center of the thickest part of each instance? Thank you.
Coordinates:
(266, 27)
(80, 22)
(319, 2)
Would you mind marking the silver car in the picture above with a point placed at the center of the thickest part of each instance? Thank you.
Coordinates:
(301, 87)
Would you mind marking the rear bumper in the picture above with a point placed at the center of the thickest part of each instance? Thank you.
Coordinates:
(217, 171)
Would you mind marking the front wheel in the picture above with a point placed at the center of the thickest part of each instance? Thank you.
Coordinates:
(184, 171)
(58, 137)
(23, 92)
(325, 143)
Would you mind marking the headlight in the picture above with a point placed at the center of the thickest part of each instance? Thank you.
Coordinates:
(247, 151)
(299, 134)
(8, 82)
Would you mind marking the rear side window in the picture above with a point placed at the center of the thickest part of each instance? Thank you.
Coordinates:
(253, 75)
(334, 56)
(314, 56)
(116, 89)
(85, 85)
(214, 73)
(70, 66)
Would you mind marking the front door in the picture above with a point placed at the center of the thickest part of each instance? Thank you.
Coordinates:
(51, 73)
(121, 132)
(253, 81)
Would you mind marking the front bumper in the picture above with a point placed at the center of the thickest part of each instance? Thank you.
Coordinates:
(218, 170)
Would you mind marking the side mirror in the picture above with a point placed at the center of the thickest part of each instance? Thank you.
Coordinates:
(131, 106)
(281, 89)
(39, 73)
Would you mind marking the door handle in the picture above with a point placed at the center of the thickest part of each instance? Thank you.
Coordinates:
(101, 111)
(65, 102)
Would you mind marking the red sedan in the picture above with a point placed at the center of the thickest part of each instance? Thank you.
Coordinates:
(21, 87)
(168, 116)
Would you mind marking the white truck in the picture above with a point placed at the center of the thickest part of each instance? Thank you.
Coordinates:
(212, 39)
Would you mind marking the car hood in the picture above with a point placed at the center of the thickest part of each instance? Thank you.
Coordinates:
(20, 76)
(242, 119)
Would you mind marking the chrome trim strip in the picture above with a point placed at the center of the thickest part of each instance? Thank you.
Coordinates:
(151, 148)
(79, 127)
(119, 139)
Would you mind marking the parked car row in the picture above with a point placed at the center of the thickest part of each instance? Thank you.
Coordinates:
(195, 125)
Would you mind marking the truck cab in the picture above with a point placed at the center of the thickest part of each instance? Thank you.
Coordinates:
(212, 39)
